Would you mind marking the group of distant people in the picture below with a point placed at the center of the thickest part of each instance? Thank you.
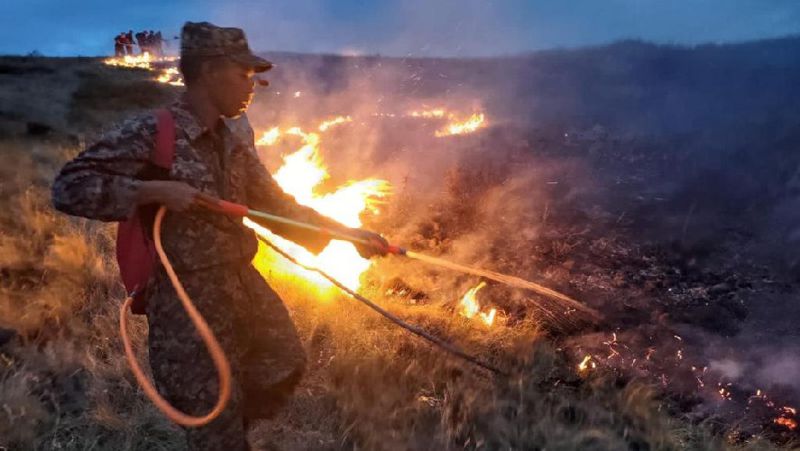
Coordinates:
(148, 41)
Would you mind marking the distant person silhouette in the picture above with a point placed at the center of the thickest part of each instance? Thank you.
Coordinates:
(119, 45)
(129, 43)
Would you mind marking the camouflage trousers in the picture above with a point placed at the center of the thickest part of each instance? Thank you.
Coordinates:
(257, 334)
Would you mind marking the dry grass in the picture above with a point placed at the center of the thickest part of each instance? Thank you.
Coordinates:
(64, 383)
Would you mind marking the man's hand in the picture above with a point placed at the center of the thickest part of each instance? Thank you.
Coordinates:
(176, 196)
(375, 245)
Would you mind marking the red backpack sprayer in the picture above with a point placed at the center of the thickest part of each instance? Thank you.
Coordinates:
(136, 255)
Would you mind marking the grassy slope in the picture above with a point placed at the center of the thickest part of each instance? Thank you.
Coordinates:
(65, 385)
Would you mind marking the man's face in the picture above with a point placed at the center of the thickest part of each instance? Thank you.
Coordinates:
(230, 87)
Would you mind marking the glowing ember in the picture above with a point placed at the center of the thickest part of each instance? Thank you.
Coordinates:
(456, 127)
(785, 419)
(586, 363)
(724, 393)
(171, 76)
(335, 121)
(470, 306)
(300, 175)
(788, 423)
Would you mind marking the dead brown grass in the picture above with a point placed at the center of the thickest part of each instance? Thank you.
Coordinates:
(63, 383)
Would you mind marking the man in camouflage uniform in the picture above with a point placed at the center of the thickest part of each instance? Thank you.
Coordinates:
(211, 253)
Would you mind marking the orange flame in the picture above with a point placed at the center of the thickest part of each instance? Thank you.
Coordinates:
(470, 306)
(789, 423)
(785, 418)
(170, 75)
(300, 176)
(456, 127)
(269, 137)
(586, 363)
(303, 171)
(139, 61)
(335, 121)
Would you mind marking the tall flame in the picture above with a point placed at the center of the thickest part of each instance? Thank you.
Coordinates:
(301, 175)
(470, 307)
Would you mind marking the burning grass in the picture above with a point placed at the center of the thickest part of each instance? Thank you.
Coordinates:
(165, 66)
(371, 386)
(64, 383)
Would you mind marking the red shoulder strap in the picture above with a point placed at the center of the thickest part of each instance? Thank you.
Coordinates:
(165, 139)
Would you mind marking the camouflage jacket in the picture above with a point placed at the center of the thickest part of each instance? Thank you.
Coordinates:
(101, 183)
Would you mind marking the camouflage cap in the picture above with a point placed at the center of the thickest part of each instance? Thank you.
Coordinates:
(206, 39)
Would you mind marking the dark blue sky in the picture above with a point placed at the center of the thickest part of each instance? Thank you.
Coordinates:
(400, 27)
